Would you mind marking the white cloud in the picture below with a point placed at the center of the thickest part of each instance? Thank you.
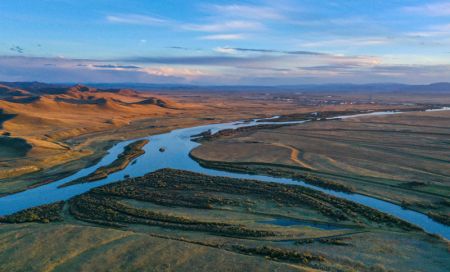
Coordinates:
(246, 11)
(135, 19)
(235, 69)
(225, 50)
(335, 22)
(434, 9)
(364, 41)
(442, 28)
(437, 35)
(186, 73)
(223, 37)
(225, 26)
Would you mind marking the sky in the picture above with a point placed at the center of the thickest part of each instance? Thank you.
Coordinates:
(260, 42)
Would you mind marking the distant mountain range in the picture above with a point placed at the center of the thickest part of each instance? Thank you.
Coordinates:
(46, 88)
(374, 87)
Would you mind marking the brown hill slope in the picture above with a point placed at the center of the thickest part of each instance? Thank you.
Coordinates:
(46, 122)
(6, 91)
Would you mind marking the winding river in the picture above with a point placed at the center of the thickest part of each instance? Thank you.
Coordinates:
(178, 145)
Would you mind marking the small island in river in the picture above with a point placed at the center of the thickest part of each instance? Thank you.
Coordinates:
(130, 152)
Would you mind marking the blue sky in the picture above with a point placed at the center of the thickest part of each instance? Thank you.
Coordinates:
(225, 42)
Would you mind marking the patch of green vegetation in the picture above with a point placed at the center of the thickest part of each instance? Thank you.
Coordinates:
(314, 116)
(440, 217)
(207, 136)
(106, 209)
(43, 214)
(338, 241)
(281, 254)
(323, 115)
(165, 187)
(130, 152)
(324, 183)
(275, 170)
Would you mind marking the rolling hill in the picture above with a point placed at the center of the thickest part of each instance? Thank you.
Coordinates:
(40, 119)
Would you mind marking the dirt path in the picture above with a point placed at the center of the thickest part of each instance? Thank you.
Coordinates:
(294, 155)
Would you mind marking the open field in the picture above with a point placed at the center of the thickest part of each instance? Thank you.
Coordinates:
(50, 131)
(400, 158)
(178, 220)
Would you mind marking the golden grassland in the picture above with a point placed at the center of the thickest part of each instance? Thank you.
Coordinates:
(178, 220)
(400, 158)
(71, 130)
